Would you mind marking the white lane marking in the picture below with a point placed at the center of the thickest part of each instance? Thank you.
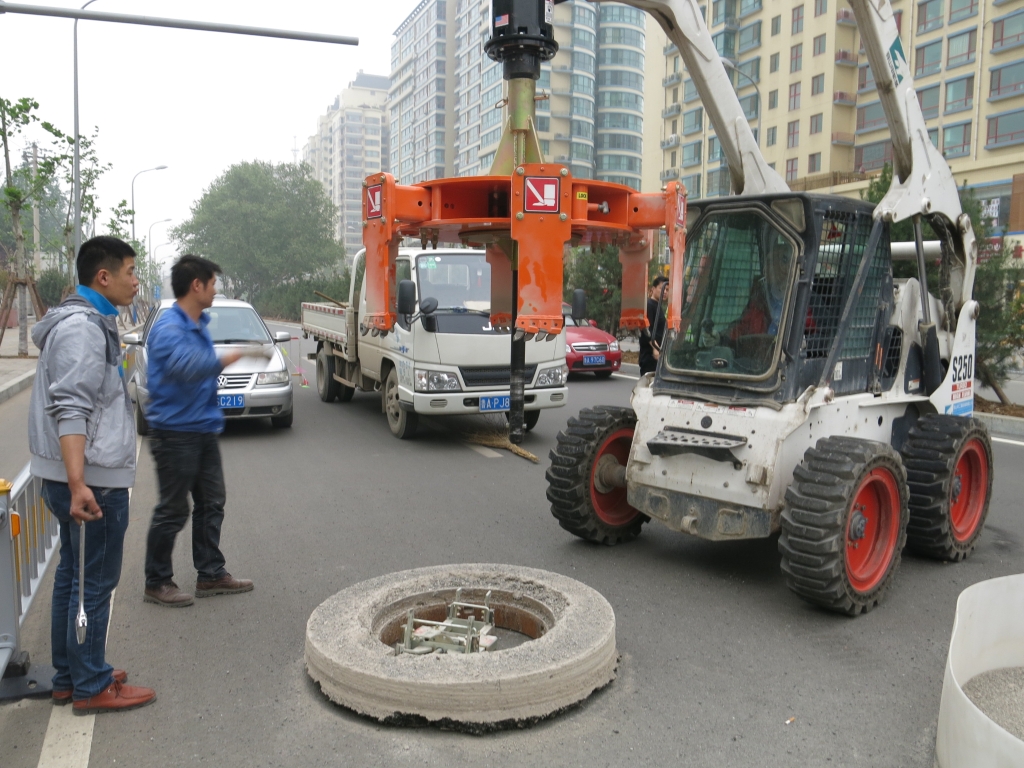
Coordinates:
(625, 376)
(483, 450)
(1007, 441)
(68, 739)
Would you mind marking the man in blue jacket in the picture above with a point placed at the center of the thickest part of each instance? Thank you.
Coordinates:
(82, 439)
(185, 422)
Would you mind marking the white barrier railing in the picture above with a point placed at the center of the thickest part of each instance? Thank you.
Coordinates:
(28, 538)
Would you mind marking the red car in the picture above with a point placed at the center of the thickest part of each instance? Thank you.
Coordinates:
(588, 349)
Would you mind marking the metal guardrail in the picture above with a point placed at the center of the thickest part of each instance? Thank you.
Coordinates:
(28, 538)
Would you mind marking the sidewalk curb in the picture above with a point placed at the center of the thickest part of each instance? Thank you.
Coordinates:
(13, 387)
(631, 368)
(1002, 425)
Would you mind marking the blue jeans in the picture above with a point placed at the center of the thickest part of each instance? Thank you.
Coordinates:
(186, 463)
(84, 667)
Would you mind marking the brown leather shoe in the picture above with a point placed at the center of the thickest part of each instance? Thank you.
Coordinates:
(167, 594)
(117, 698)
(64, 697)
(225, 585)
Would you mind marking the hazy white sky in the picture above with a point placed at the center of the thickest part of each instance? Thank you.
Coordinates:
(196, 102)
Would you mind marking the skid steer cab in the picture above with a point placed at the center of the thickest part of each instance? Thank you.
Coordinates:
(793, 395)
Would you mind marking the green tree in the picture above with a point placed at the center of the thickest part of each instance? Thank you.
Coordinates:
(265, 224)
(51, 285)
(599, 273)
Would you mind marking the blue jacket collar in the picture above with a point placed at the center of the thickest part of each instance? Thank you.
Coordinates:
(204, 317)
(98, 300)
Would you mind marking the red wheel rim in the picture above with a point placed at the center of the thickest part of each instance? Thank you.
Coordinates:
(872, 530)
(968, 491)
(612, 507)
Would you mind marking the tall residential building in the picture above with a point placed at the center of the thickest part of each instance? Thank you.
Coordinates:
(422, 95)
(351, 142)
(592, 118)
(805, 85)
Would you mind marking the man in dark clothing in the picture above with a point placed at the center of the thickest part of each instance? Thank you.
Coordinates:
(83, 447)
(185, 422)
(651, 338)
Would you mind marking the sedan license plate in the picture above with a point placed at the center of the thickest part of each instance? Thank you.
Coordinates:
(491, 404)
(593, 359)
(231, 401)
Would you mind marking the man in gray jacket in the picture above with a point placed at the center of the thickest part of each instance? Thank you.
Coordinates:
(82, 439)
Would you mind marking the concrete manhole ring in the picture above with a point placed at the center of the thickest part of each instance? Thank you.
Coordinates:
(572, 652)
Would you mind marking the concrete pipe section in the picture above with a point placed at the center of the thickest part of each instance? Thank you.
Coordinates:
(981, 715)
(556, 646)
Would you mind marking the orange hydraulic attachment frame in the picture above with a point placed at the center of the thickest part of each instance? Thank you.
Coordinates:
(526, 221)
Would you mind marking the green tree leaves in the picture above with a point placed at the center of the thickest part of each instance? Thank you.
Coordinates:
(265, 225)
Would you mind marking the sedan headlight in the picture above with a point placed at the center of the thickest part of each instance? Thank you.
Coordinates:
(613, 347)
(436, 381)
(272, 377)
(553, 377)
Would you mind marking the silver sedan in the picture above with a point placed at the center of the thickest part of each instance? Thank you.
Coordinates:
(253, 387)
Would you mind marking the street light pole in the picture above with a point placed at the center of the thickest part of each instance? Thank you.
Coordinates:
(149, 237)
(158, 168)
(76, 181)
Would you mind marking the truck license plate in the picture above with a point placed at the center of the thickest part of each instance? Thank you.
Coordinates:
(593, 359)
(490, 404)
(231, 401)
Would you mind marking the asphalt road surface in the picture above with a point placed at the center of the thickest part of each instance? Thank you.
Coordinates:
(717, 655)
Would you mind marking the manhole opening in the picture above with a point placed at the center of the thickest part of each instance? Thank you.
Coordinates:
(517, 618)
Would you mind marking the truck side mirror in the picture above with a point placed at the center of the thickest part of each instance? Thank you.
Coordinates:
(406, 297)
(579, 305)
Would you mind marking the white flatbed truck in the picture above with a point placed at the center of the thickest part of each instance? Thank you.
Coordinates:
(439, 360)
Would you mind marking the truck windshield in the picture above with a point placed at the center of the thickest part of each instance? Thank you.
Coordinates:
(458, 281)
(738, 270)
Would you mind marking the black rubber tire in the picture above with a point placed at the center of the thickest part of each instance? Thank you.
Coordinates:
(817, 516)
(283, 422)
(572, 462)
(326, 385)
(931, 455)
(602, 374)
(141, 425)
(530, 419)
(403, 423)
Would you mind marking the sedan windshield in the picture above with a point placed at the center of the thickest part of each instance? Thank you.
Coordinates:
(236, 325)
(458, 281)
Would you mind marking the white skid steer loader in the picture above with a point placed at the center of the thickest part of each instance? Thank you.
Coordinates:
(800, 387)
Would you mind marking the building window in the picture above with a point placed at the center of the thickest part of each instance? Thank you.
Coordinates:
(689, 91)
(693, 121)
(714, 150)
(718, 182)
(776, 25)
(870, 117)
(928, 98)
(622, 15)
(773, 99)
(581, 38)
(865, 78)
(543, 122)
(1005, 129)
(794, 96)
(817, 85)
(796, 57)
(814, 163)
(749, 106)
(721, 10)
(791, 167)
(621, 57)
(752, 70)
(748, 7)
(798, 20)
(750, 37)
(725, 43)
(692, 184)
(585, 107)
(961, 49)
(820, 7)
(929, 15)
(773, 63)
(1008, 32)
(819, 45)
(1007, 81)
(956, 140)
(583, 15)
(960, 94)
(691, 154)
(872, 157)
(933, 136)
(962, 9)
(928, 59)
(620, 36)
(817, 121)
(793, 134)
(584, 62)
(770, 137)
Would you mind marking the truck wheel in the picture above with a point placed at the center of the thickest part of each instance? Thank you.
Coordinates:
(530, 419)
(580, 502)
(326, 385)
(141, 425)
(844, 524)
(402, 422)
(949, 471)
